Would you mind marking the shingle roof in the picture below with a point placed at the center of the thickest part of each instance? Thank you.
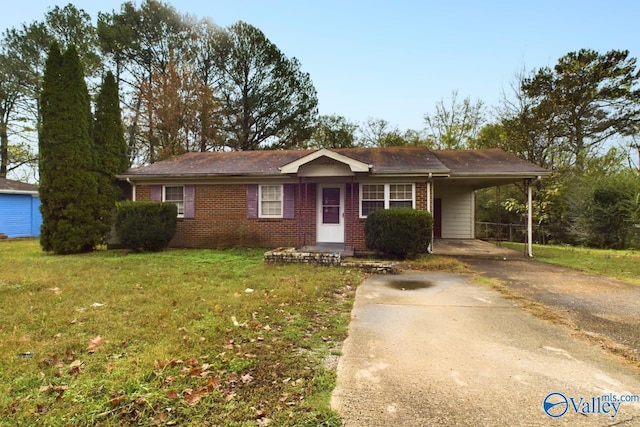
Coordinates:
(9, 185)
(397, 159)
(490, 161)
(383, 160)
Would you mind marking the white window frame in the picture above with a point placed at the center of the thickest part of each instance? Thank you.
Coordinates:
(179, 203)
(266, 215)
(387, 194)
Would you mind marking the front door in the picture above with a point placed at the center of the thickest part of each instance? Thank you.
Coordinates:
(330, 214)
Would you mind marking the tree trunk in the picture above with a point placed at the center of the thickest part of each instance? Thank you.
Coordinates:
(4, 150)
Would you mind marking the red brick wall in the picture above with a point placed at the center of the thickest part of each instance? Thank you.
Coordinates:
(355, 224)
(221, 218)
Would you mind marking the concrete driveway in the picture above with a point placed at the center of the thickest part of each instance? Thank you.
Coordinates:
(428, 349)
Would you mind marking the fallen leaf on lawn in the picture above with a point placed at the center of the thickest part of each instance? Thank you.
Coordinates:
(60, 389)
(160, 419)
(97, 304)
(196, 371)
(109, 367)
(164, 363)
(172, 394)
(55, 290)
(246, 378)
(248, 290)
(263, 421)
(94, 344)
(76, 367)
(230, 396)
(117, 400)
(192, 397)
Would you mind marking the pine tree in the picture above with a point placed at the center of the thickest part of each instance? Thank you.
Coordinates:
(111, 150)
(68, 188)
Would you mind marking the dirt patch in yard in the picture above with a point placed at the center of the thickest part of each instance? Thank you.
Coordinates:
(603, 310)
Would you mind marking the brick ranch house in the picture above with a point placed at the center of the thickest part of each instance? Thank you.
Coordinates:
(320, 198)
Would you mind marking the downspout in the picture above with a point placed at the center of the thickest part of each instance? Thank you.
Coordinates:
(133, 189)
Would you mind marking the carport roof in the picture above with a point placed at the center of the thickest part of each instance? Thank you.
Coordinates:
(382, 161)
(482, 162)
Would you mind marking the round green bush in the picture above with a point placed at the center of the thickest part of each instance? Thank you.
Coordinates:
(146, 226)
(398, 232)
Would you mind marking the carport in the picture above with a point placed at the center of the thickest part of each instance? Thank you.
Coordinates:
(451, 199)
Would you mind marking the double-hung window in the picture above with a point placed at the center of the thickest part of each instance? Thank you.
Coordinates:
(401, 195)
(175, 195)
(374, 197)
(270, 201)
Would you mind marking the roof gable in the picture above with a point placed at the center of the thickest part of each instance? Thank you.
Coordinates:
(352, 164)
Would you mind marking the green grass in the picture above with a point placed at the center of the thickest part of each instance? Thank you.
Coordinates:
(172, 338)
(623, 265)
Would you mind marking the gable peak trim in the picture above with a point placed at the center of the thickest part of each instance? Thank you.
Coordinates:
(353, 164)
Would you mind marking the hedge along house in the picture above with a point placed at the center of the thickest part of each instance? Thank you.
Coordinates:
(19, 209)
(320, 199)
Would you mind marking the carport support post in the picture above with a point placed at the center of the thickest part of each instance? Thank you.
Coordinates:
(430, 209)
(529, 217)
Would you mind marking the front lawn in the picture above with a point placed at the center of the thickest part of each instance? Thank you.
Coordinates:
(182, 337)
(623, 265)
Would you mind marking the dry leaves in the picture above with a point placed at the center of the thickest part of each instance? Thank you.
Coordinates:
(94, 344)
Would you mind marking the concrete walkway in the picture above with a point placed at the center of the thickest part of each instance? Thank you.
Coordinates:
(430, 349)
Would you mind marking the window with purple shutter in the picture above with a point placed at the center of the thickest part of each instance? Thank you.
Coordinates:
(156, 193)
(289, 191)
(271, 201)
(252, 200)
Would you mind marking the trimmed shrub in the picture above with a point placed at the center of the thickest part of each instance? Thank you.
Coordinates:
(398, 232)
(146, 226)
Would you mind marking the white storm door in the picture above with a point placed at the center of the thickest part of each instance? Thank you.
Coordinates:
(330, 216)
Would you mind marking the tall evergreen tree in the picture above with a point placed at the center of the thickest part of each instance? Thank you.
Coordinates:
(68, 189)
(111, 150)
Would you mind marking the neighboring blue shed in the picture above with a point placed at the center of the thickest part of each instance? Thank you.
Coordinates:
(19, 209)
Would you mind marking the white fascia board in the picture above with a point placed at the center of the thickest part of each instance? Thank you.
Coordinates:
(354, 165)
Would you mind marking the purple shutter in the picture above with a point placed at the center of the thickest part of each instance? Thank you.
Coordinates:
(252, 200)
(189, 201)
(288, 210)
(156, 193)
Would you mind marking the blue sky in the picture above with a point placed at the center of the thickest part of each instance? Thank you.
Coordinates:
(395, 59)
